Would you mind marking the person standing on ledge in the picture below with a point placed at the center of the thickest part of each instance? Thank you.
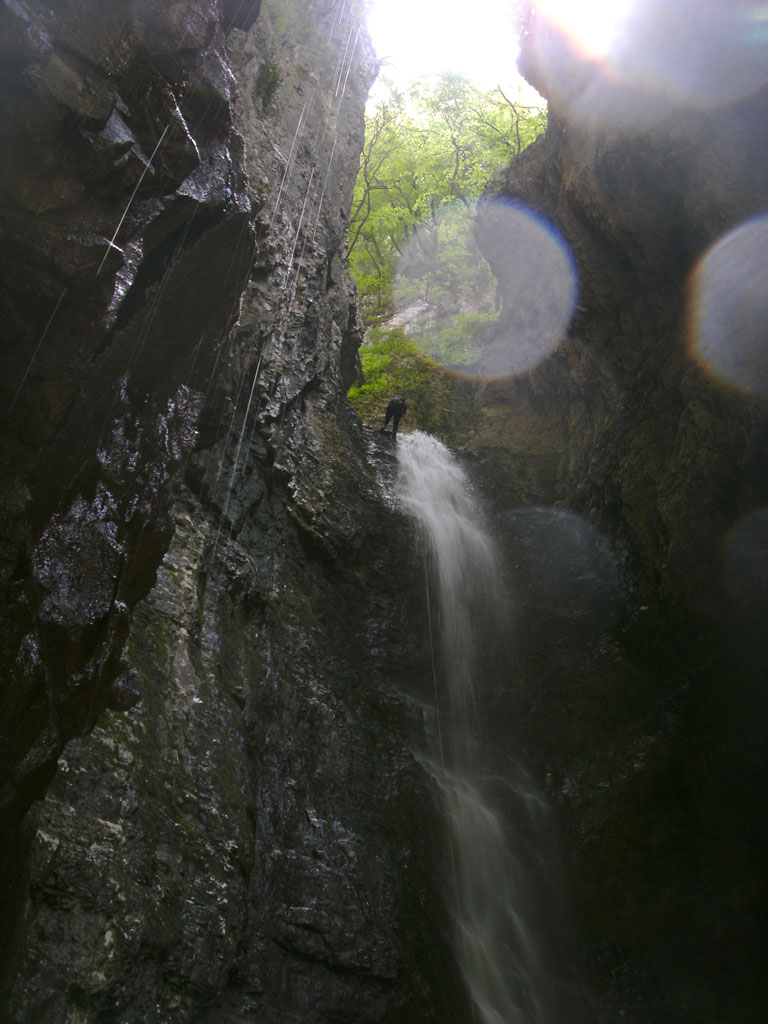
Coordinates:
(397, 408)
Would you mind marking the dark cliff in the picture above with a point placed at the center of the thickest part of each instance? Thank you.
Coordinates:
(123, 188)
(630, 482)
(124, 208)
(254, 840)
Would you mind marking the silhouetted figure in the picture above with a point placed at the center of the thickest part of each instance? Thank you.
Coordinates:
(397, 408)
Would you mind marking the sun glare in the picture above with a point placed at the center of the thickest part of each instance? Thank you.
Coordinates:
(418, 37)
(423, 37)
(593, 24)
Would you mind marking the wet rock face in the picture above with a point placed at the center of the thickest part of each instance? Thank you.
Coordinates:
(255, 838)
(251, 841)
(625, 476)
(124, 211)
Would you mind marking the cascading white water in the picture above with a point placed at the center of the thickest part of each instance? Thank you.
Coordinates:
(490, 886)
(435, 490)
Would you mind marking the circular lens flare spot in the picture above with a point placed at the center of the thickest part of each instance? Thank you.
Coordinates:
(564, 566)
(486, 290)
(445, 293)
(537, 282)
(652, 56)
(702, 52)
(728, 307)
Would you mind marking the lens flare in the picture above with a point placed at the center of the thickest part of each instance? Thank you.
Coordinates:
(458, 270)
(537, 281)
(565, 564)
(594, 25)
(702, 52)
(648, 57)
(445, 293)
(728, 307)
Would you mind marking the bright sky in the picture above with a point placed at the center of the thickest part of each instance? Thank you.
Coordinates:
(477, 38)
(593, 24)
(418, 37)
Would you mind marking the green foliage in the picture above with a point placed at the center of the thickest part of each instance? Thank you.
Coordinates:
(460, 344)
(284, 16)
(267, 80)
(439, 402)
(427, 157)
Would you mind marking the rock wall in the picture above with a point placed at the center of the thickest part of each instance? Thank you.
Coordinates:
(255, 839)
(124, 207)
(630, 486)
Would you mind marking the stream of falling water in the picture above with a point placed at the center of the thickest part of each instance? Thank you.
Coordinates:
(494, 940)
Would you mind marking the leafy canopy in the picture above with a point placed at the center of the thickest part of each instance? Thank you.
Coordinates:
(428, 155)
(428, 152)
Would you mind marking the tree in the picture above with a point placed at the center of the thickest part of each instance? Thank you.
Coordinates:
(426, 159)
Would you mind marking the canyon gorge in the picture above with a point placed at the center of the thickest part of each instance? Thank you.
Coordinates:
(218, 649)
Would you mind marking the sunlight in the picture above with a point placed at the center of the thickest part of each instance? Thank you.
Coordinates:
(594, 25)
(418, 37)
(422, 37)
(699, 52)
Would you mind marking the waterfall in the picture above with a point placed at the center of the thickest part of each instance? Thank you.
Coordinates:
(489, 886)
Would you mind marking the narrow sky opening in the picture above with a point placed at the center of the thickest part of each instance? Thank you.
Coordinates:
(427, 37)
(479, 40)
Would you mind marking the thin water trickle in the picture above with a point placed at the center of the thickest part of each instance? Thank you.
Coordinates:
(236, 459)
(299, 226)
(322, 191)
(38, 347)
(273, 350)
(342, 58)
(342, 85)
(496, 941)
(292, 153)
(111, 243)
